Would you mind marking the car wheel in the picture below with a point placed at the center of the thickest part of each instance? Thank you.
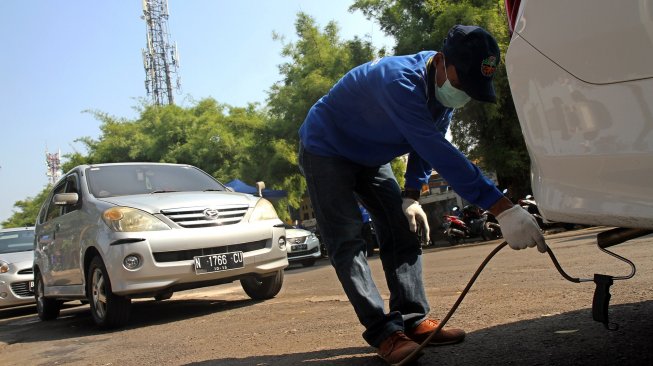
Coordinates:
(108, 309)
(48, 309)
(163, 296)
(263, 288)
(308, 262)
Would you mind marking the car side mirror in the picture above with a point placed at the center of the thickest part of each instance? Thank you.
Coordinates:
(260, 186)
(63, 199)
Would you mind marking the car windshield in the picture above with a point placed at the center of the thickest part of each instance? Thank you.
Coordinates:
(132, 179)
(16, 241)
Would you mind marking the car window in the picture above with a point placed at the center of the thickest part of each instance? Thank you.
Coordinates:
(54, 210)
(16, 241)
(123, 180)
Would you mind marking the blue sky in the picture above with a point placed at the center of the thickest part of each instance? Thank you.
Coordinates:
(60, 58)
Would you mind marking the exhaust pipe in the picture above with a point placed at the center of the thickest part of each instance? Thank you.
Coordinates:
(619, 235)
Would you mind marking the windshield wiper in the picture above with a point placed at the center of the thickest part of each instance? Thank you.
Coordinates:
(213, 190)
(162, 191)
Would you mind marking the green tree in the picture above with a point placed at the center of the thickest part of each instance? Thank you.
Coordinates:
(214, 137)
(487, 133)
(28, 210)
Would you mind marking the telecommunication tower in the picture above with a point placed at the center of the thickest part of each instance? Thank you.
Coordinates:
(160, 58)
(53, 163)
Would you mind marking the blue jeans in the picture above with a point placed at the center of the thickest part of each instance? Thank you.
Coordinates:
(334, 185)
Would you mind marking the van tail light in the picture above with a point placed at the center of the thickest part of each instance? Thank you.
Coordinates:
(512, 9)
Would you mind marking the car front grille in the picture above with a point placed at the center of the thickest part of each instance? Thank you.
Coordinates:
(22, 289)
(206, 217)
(297, 240)
(26, 271)
(297, 254)
(182, 255)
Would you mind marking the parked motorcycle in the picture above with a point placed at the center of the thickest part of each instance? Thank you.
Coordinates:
(491, 227)
(530, 205)
(454, 229)
(471, 222)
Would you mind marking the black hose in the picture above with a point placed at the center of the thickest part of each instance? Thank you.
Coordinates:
(453, 309)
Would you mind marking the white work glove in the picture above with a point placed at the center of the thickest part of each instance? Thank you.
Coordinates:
(520, 229)
(414, 212)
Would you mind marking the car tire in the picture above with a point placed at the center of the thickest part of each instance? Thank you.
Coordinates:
(48, 309)
(163, 296)
(308, 262)
(108, 309)
(263, 288)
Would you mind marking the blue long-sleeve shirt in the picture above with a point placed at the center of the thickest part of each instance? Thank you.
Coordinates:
(381, 110)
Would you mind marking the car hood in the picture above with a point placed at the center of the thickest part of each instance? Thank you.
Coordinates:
(295, 233)
(154, 203)
(17, 257)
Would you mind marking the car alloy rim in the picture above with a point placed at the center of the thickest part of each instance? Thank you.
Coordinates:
(99, 294)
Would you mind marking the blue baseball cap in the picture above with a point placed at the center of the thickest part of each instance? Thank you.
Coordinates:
(475, 54)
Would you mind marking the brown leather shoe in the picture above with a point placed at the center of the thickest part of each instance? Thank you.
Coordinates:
(444, 336)
(397, 347)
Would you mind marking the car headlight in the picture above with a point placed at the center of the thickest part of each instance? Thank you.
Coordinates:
(4, 267)
(126, 219)
(263, 211)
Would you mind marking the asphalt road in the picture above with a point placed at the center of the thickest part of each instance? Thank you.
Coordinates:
(519, 312)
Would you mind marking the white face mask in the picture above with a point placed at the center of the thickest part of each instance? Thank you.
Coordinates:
(448, 95)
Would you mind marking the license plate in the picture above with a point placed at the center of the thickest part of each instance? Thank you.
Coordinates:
(30, 286)
(218, 262)
(299, 247)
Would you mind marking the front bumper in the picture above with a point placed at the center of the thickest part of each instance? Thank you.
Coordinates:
(168, 264)
(15, 290)
(312, 250)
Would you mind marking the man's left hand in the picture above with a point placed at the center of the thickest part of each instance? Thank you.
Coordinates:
(414, 213)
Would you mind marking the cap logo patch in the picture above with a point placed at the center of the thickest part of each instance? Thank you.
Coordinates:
(489, 66)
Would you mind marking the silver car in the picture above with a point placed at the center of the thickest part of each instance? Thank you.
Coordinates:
(16, 275)
(303, 246)
(110, 233)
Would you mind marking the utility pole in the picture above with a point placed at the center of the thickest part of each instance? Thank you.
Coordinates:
(160, 58)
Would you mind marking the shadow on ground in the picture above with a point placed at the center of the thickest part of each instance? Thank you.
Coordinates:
(566, 339)
(76, 321)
